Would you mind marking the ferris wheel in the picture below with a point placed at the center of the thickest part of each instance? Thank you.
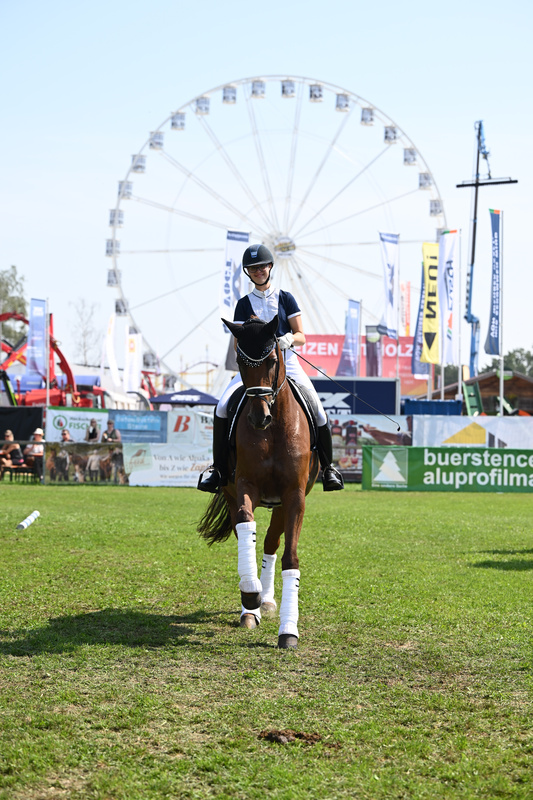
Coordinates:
(308, 168)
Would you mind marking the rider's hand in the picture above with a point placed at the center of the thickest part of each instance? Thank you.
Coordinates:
(285, 341)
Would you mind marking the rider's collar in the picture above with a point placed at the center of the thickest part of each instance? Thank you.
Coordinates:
(266, 293)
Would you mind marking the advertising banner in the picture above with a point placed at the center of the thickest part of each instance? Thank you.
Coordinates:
(348, 364)
(446, 280)
(423, 469)
(233, 278)
(165, 464)
(430, 314)
(190, 426)
(419, 370)
(77, 463)
(140, 426)
(352, 395)
(373, 352)
(405, 308)
(36, 349)
(493, 344)
(444, 431)
(390, 257)
(75, 420)
(350, 432)
(133, 362)
(108, 354)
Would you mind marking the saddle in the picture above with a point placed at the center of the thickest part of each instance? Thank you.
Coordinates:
(304, 397)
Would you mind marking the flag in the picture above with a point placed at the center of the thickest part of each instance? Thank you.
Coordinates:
(493, 342)
(419, 369)
(133, 362)
(430, 313)
(350, 351)
(373, 352)
(36, 348)
(405, 308)
(446, 288)
(108, 353)
(233, 277)
(390, 256)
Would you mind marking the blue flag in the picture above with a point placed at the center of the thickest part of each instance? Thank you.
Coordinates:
(419, 368)
(36, 349)
(350, 350)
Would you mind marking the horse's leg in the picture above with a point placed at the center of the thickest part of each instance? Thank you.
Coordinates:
(249, 583)
(268, 569)
(294, 507)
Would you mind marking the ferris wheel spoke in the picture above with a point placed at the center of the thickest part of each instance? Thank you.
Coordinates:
(363, 211)
(292, 162)
(314, 301)
(224, 154)
(374, 243)
(177, 250)
(262, 163)
(341, 191)
(330, 149)
(206, 188)
(189, 333)
(173, 291)
(351, 267)
(179, 212)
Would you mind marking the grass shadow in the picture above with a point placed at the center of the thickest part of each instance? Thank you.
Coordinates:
(528, 552)
(110, 626)
(515, 564)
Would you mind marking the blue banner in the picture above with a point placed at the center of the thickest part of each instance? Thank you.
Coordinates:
(419, 367)
(349, 360)
(36, 348)
(493, 343)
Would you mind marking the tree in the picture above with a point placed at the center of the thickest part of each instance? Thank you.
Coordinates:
(87, 339)
(12, 299)
(518, 360)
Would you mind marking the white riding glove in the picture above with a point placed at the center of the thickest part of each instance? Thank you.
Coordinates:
(285, 341)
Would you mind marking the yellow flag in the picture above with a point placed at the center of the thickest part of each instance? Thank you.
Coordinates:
(430, 319)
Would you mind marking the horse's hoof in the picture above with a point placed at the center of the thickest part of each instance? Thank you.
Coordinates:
(268, 609)
(248, 621)
(251, 601)
(287, 641)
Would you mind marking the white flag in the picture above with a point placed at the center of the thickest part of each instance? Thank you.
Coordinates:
(133, 362)
(446, 290)
(390, 252)
(233, 277)
(108, 354)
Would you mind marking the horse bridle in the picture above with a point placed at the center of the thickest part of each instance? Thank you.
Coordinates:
(263, 391)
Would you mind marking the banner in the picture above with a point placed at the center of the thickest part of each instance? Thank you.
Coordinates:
(36, 349)
(493, 343)
(76, 420)
(349, 361)
(405, 308)
(422, 469)
(233, 277)
(446, 290)
(458, 431)
(373, 352)
(430, 314)
(133, 362)
(108, 354)
(390, 255)
(418, 369)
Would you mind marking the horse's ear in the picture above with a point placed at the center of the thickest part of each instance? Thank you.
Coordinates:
(235, 329)
(272, 326)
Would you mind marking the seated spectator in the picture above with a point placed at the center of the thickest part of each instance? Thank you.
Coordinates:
(11, 453)
(34, 453)
(111, 434)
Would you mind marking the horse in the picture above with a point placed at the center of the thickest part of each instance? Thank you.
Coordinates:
(273, 466)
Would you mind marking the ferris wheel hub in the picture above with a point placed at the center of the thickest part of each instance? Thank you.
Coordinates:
(284, 247)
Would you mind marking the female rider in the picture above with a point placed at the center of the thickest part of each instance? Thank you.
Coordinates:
(265, 302)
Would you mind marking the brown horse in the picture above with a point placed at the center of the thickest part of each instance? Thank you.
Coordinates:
(274, 467)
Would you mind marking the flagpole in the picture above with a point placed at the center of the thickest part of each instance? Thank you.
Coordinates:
(501, 313)
(459, 395)
(359, 342)
(47, 352)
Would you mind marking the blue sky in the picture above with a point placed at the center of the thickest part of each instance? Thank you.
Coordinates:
(84, 83)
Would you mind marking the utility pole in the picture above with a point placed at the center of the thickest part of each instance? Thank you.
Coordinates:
(476, 183)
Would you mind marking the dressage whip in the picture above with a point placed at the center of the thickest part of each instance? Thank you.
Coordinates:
(346, 390)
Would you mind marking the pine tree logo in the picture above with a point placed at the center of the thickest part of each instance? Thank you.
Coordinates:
(389, 468)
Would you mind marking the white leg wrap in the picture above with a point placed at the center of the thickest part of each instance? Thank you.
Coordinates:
(268, 571)
(288, 612)
(247, 561)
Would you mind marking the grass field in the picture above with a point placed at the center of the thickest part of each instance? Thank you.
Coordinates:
(124, 675)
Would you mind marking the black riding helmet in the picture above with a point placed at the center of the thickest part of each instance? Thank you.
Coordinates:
(254, 256)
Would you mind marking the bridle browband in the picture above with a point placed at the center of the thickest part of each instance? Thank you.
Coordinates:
(263, 391)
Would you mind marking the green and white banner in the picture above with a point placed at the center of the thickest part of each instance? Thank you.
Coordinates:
(447, 469)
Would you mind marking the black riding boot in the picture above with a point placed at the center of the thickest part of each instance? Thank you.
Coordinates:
(218, 473)
(332, 480)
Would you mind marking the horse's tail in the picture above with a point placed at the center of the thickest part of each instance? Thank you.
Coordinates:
(215, 525)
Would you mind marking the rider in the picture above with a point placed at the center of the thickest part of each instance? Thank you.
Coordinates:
(265, 302)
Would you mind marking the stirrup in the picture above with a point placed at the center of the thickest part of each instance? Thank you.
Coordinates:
(332, 480)
(213, 482)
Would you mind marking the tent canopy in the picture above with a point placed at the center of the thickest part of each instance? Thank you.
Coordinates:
(188, 397)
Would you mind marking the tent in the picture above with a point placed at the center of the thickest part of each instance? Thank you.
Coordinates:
(188, 397)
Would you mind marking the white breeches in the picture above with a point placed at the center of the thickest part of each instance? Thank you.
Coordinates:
(294, 371)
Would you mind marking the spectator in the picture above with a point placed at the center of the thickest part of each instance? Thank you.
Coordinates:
(111, 434)
(11, 454)
(92, 432)
(34, 453)
(65, 435)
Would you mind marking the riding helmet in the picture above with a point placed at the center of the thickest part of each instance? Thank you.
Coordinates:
(255, 255)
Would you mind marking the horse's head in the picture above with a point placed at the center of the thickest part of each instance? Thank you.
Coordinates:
(261, 366)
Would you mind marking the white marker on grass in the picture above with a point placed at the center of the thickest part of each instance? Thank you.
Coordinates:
(28, 521)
